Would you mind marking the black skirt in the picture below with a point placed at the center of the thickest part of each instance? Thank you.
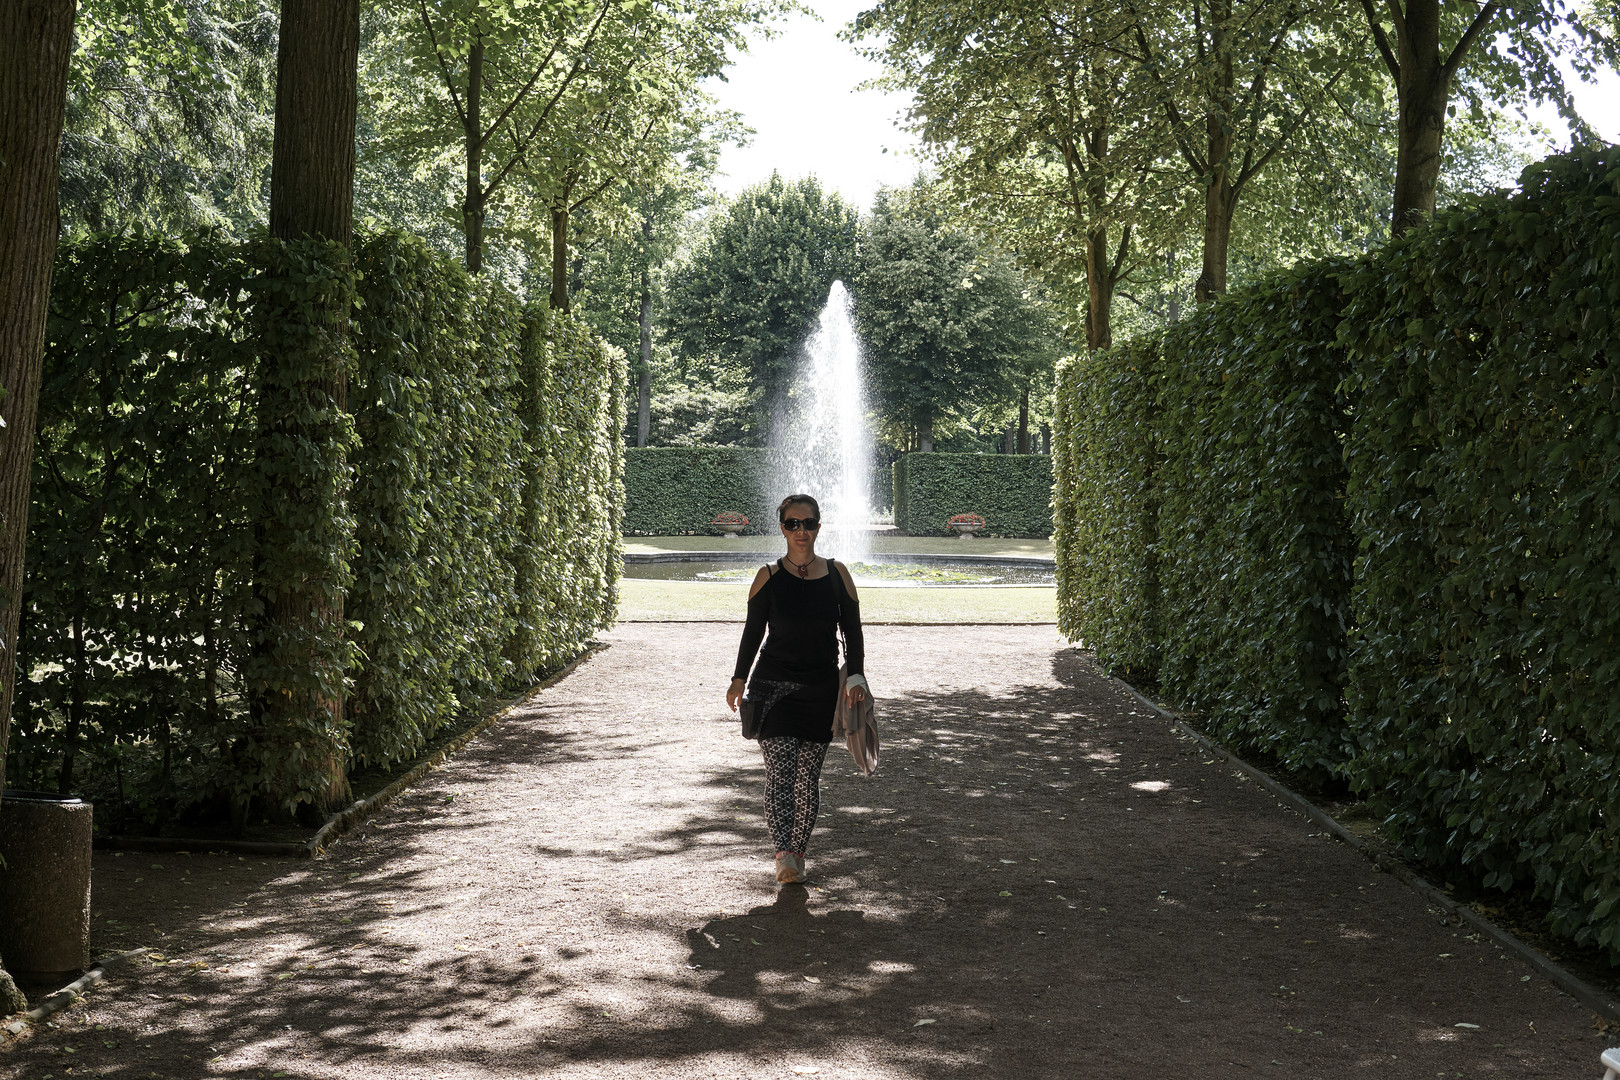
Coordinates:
(805, 713)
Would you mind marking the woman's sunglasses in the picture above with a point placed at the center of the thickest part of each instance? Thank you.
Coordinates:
(795, 524)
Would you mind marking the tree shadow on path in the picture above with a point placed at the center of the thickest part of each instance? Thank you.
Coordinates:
(1044, 880)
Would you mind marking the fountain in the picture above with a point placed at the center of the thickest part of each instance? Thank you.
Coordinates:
(824, 447)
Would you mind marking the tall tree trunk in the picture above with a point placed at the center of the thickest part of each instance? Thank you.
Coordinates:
(472, 209)
(1172, 306)
(644, 388)
(1423, 88)
(1220, 196)
(312, 157)
(1099, 291)
(1023, 420)
(311, 196)
(559, 257)
(1423, 76)
(925, 433)
(35, 38)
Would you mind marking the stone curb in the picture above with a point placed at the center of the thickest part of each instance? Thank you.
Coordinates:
(1571, 984)
(61, 999)
(345, 819)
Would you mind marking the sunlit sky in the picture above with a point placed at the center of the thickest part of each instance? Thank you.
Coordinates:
(798, 92)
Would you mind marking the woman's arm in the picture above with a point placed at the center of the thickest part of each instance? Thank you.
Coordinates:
(753, 634)
(849, 620)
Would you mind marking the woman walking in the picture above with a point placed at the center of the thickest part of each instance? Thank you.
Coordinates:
(803, 600)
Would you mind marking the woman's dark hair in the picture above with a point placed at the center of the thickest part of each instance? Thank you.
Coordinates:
(808, 500)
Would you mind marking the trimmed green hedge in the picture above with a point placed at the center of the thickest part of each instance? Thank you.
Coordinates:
(1012, 492)
(1105, 454)
(1485, 492)
(677, 490)
(1253, 540)
(464, 507)
(1385, 528)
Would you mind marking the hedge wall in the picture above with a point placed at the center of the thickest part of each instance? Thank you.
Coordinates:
(469, 510)
(1012, 492)
(1106, 506)
(677, 490)
(1431, 433)
(1485, 684)
(1253, 539)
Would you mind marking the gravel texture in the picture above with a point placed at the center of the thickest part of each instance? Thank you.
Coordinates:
(1044, 880)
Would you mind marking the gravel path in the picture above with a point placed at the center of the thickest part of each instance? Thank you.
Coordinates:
(1043, 881)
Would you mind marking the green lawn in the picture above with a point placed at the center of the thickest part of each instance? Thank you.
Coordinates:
(708, 601)
(900, 545)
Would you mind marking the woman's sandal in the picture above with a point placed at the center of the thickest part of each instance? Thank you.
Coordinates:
(788, 868)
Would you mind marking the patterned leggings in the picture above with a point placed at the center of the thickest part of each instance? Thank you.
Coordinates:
(792, 790)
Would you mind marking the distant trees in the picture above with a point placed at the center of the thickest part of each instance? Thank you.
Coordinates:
(749, 291)
(1100, 139)
(169, 116)
(549, 107)
(948, 321)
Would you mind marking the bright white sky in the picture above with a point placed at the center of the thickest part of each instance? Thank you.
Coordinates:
(797, 91)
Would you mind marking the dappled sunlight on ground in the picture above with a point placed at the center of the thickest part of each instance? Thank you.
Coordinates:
(1043, 880)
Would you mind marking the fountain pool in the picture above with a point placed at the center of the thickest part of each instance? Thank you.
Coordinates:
(903, 572)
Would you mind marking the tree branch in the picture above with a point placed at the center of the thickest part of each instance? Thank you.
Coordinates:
(520, 146)
(1466, 42)
(1199, 166)
(1382, 39)
(444, 68)
(521, 94)
(1119, 256)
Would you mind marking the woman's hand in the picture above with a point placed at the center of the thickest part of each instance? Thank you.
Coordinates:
(734, 694)
(852, 694)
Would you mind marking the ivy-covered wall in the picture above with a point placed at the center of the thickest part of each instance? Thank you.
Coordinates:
(1377, 501)
(472, 517)
(1012, 492)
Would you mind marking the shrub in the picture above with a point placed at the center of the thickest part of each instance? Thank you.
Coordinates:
(1106, 457)
(1467, 370)
(466, 504)
(1012, 491)
(677, 490)
(1484, 467)
(1253, 540)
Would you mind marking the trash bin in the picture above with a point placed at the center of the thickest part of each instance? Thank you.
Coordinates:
(44, 886)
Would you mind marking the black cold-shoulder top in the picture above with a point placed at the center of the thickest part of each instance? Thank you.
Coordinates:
(803, 616)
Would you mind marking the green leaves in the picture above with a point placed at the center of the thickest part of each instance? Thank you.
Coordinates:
(1012, 492)
(948, 320)
(464, 508)
(750, 291)
(1361, 515)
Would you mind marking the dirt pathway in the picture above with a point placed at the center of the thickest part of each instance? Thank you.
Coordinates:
(1043, 881)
